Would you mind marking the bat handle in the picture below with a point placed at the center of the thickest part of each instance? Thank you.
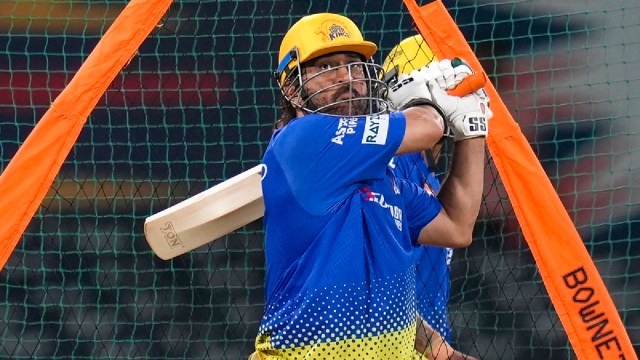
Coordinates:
(471, 84)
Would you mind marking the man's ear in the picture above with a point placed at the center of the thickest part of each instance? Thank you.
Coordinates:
(291, 93)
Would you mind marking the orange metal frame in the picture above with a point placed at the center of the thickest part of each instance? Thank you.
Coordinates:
(29, 175)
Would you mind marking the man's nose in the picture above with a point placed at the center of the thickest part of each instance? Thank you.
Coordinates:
(344, 73)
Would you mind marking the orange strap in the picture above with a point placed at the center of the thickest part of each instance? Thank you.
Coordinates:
(575, 287)
(29, 175)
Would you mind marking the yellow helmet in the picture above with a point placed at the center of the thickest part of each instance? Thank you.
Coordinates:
(410, 54)
(317, 35)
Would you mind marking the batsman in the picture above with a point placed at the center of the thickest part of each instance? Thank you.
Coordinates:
(343, 233)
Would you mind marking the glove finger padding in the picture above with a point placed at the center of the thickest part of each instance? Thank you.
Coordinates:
(446, 73)
(467, 116)
(408, 88)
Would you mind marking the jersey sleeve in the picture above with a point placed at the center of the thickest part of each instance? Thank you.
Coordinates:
(414, 168)
(420, 206)
(325, 157)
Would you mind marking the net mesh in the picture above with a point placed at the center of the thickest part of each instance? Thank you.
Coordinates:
(196, 106)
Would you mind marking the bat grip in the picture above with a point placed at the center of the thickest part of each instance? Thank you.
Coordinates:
(471, 84)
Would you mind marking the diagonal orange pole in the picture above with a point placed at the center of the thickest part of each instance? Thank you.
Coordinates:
(575, 287)
(29, 175)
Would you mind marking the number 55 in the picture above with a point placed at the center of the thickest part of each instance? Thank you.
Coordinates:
(478, 124)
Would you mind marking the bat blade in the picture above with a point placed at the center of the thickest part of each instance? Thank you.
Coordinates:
(207, 216)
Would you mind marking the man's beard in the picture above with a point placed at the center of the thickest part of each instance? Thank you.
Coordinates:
(357, 104)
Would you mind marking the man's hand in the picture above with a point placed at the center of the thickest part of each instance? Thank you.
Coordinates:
(467, 116)
(446, 73)
(430, 345)
(407, 88)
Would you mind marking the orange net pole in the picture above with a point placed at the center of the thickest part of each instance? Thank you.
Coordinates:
(30, 173)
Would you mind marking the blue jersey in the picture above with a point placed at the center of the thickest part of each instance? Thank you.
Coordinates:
(340, 243)
(433, 265)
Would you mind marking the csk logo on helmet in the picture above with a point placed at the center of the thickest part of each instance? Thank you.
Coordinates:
(332, 31)
(336, 30)
(395, 54)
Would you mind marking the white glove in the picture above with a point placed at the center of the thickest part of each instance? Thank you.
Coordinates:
(407, 88)
(467, 116)
(448, 74)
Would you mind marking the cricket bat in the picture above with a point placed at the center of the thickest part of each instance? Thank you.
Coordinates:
(207, 216)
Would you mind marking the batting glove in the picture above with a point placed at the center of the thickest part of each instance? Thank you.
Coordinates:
(446, 73)
(408, 88)
(466, 116)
